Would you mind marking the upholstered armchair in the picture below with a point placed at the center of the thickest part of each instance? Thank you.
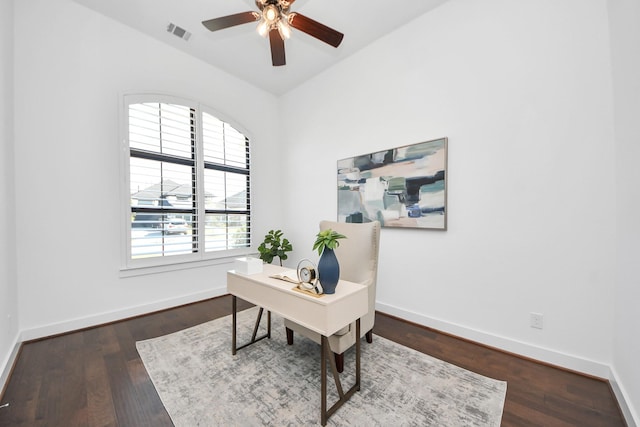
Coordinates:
(358, 259)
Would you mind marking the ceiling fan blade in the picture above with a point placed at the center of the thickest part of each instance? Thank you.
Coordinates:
(277, 48)
(315, 29)
(230, 20)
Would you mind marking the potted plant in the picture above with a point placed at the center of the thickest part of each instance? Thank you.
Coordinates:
(328, 267)
(274, 245)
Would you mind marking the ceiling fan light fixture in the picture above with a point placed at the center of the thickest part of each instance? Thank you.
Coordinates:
(270, 13)
(283, 27)
(269, 20)
(263, 28)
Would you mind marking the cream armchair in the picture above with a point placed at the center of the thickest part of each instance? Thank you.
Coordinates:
(358, 259)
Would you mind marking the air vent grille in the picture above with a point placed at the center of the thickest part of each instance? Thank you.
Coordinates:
(178, 31)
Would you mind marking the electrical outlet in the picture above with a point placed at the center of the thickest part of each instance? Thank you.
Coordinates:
(536, 320)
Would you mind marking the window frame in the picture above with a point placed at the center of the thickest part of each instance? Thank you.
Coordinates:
(130, 266)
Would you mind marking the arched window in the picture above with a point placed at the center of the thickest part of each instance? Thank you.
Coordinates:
(188, 175)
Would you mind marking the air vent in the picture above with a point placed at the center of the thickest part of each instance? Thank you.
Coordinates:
(178, 31)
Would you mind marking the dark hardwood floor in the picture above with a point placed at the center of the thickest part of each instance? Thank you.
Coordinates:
(95, 377)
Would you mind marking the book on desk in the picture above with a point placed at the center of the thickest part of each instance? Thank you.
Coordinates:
(287, 276)
(291, 276)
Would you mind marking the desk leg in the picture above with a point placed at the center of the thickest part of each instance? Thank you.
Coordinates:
(358, 354)
(323, 380)
(254, 339)
(234, 310)
(325, 351)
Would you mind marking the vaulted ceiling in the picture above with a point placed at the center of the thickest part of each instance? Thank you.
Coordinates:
(242, 52)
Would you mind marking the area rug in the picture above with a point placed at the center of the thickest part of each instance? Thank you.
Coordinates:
(272, 384)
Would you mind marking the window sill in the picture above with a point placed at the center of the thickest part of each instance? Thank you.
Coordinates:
(184, 265)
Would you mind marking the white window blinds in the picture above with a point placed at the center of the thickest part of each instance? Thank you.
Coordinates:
(189, 180)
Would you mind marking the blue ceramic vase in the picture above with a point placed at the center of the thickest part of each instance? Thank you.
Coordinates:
(328, 271)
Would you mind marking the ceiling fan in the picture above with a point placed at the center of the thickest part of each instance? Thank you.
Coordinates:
(276, 22)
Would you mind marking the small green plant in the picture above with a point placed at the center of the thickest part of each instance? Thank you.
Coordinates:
(327, 239)
(274, 245)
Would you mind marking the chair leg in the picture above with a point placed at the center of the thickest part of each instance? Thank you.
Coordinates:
(339, 361)
(340, 357)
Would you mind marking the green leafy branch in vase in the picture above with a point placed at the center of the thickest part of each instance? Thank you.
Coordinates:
(274, 245)
(327, 239)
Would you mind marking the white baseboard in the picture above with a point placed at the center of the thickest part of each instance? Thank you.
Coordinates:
(113, 316)
(7, 363)
(630, 414)
(545, 355)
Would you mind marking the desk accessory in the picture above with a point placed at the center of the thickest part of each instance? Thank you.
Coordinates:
(328, 267)
(274, 245)
(308, 277)
(248, 265)
(288, 276)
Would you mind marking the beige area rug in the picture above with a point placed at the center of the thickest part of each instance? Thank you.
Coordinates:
(273, 384)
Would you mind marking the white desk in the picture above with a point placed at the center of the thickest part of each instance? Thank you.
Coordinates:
(325, 315)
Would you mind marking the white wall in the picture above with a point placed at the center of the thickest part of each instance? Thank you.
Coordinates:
(8, 287)
(624, 19)
(73, 65)
(523, 91)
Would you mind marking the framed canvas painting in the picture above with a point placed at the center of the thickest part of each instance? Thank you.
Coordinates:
(401, 187)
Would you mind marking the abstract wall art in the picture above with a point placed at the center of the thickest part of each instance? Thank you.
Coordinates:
(400, 187)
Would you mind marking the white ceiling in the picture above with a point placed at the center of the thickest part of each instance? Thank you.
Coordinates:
(242, 52)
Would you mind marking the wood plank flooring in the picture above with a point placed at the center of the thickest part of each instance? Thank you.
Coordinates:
(95, 377)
